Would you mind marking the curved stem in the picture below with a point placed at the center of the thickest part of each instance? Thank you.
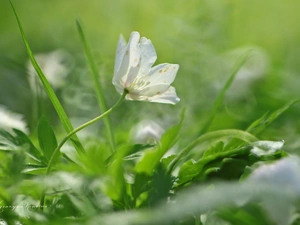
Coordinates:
(57, 150)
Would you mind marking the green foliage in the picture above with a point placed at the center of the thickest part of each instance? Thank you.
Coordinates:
(46, 136)
(205, 169)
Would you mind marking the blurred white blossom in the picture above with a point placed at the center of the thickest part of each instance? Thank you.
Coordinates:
(10, 120)
(261, 148)
(146, 132)
(284, 173)
(134, 72)
(55, 65)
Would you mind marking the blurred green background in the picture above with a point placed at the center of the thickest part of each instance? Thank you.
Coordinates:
(205, 38)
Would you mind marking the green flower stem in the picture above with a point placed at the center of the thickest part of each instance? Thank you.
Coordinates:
(57, 150)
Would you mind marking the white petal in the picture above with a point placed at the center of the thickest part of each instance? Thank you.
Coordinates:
(162, 74)
(130, 59)
(132, 74)
(148, 55)
(120, 53)
(151, 90)
(169, 97)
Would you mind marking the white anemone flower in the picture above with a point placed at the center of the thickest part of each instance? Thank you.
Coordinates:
(10, 120)
(134, 73)
(55, 65)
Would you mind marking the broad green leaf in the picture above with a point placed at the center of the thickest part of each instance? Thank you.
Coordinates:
(49, 90)
(46, 136)
(97, 85)
(151, 157)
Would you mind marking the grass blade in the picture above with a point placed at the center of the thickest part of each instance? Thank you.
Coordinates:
(221, 96)
(97, 85)
(56, 103)
(260, 124)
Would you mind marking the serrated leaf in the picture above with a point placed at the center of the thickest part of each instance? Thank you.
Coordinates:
(32, 151)
(188, 171)
(214, 149)
(46, 136)
(165, 162)
(191, 169)
(210, 138)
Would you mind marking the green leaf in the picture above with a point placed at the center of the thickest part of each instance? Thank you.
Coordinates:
(97, 86)
(214, 149)
(46, 136)
(115, 185)
(49, 90)
(165, 162)
(141, 184)
(191, 169)
(35, 171)
(151, 157)
(188, 171)
(32, 151)
(246, 215)
(161, 185)
(8, 142)
(209, 138)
